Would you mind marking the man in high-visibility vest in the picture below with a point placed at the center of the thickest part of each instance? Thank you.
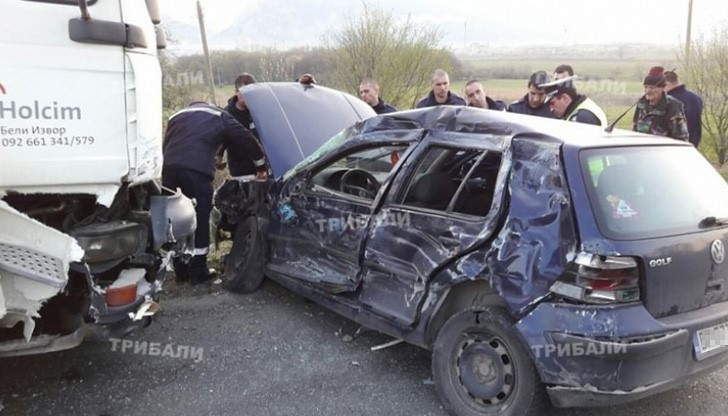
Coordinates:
(567, 104)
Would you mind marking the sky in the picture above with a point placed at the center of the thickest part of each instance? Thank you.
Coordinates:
(287, 23)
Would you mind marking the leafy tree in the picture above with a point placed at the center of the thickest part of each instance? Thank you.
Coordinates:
(401, 56)
(707, 75)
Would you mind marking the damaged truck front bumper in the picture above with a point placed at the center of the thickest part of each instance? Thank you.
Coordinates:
(605, 355)
(101, 279)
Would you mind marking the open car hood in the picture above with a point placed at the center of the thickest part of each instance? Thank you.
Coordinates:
(293, 120)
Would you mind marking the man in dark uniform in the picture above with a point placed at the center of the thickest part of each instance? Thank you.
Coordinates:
(563, 71)
(440, 93)
(369, 93)
(193, 136)
(533, 103)
(236, 104)
(692, 106)
(657, 113)
(237, 108)
(475, 94)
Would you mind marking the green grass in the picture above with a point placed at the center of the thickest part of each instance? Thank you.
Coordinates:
(621, 70)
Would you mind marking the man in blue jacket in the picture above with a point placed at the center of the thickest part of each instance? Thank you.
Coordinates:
(692, 105)
(440, 93)
(369, 93)
(533, 103)
(475, 94)
(193, 137)
(236, 105)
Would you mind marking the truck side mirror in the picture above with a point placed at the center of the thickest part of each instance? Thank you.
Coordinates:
(106, 32)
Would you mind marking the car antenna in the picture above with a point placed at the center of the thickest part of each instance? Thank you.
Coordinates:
(610, 127)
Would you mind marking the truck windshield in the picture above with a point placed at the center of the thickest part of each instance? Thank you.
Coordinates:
(655, 191)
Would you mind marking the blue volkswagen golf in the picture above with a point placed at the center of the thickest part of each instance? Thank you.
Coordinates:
(539, 260)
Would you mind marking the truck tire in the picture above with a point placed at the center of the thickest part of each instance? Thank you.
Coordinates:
(480, 366)
(244, 263)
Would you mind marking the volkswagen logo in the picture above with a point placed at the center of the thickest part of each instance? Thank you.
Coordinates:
(717, 250)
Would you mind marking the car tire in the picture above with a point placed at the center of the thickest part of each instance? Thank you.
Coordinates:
(480, 367)
(244, 263)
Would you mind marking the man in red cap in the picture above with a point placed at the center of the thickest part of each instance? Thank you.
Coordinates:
(657, 113)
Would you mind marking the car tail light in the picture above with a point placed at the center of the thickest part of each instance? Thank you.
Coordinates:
(600, 279)
(121, 295)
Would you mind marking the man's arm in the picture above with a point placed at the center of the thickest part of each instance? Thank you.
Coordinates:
(241, 143)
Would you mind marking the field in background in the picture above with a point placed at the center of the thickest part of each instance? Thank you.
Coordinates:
(614, 69)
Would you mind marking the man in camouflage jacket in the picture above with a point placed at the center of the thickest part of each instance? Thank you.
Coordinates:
(657, 113)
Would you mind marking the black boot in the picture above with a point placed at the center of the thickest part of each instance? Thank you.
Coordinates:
(198, 271)
(181, 271)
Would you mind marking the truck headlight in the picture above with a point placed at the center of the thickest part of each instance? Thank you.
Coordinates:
(110, 241)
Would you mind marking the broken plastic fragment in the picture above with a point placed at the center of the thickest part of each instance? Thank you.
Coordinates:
(386, 345)
(148, 308)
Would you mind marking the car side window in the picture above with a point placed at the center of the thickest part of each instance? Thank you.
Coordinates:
(455, 180)
(360, 173)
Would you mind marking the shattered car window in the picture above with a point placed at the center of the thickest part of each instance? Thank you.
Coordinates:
(645, 192)
(455, 180)
(360, 173)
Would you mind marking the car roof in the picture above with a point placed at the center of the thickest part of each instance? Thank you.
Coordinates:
(479, 121)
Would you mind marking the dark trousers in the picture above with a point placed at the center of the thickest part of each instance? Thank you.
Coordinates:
(198, 186)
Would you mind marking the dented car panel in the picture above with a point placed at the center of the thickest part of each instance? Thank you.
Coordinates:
(606, 355)
(460, 208)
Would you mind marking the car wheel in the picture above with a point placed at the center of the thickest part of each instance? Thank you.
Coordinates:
(244, 264)
(480, 366)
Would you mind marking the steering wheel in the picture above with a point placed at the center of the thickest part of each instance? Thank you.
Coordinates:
(360, 183)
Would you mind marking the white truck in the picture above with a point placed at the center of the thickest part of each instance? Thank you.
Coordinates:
(86, 230)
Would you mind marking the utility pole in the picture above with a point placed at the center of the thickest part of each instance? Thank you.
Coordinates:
(210, 80)
(687, 37)
(465, 36)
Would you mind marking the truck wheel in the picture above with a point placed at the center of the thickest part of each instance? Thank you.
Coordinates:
(244, 264)
(480, 366)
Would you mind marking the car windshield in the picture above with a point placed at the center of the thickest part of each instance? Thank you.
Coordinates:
(333, 142)
(647, 192)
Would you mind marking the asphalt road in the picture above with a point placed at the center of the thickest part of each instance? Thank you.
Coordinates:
(269, 353)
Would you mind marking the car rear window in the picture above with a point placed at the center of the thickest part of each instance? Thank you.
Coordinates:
(655, 191)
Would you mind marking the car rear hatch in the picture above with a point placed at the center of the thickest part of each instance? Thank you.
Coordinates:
(293, 120)
(665, 207)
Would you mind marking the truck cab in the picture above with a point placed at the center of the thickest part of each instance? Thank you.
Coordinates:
(87, 230)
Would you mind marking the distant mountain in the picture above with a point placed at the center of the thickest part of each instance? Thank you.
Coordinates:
(272, 24)
(275, 24)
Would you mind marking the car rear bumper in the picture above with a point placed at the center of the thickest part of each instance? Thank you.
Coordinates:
(566, 396)
(597, 355)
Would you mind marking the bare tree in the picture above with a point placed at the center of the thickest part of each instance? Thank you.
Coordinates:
(274, 66)
(707, 75)
(399, 55)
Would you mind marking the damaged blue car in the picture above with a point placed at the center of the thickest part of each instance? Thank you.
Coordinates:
(539, 260)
